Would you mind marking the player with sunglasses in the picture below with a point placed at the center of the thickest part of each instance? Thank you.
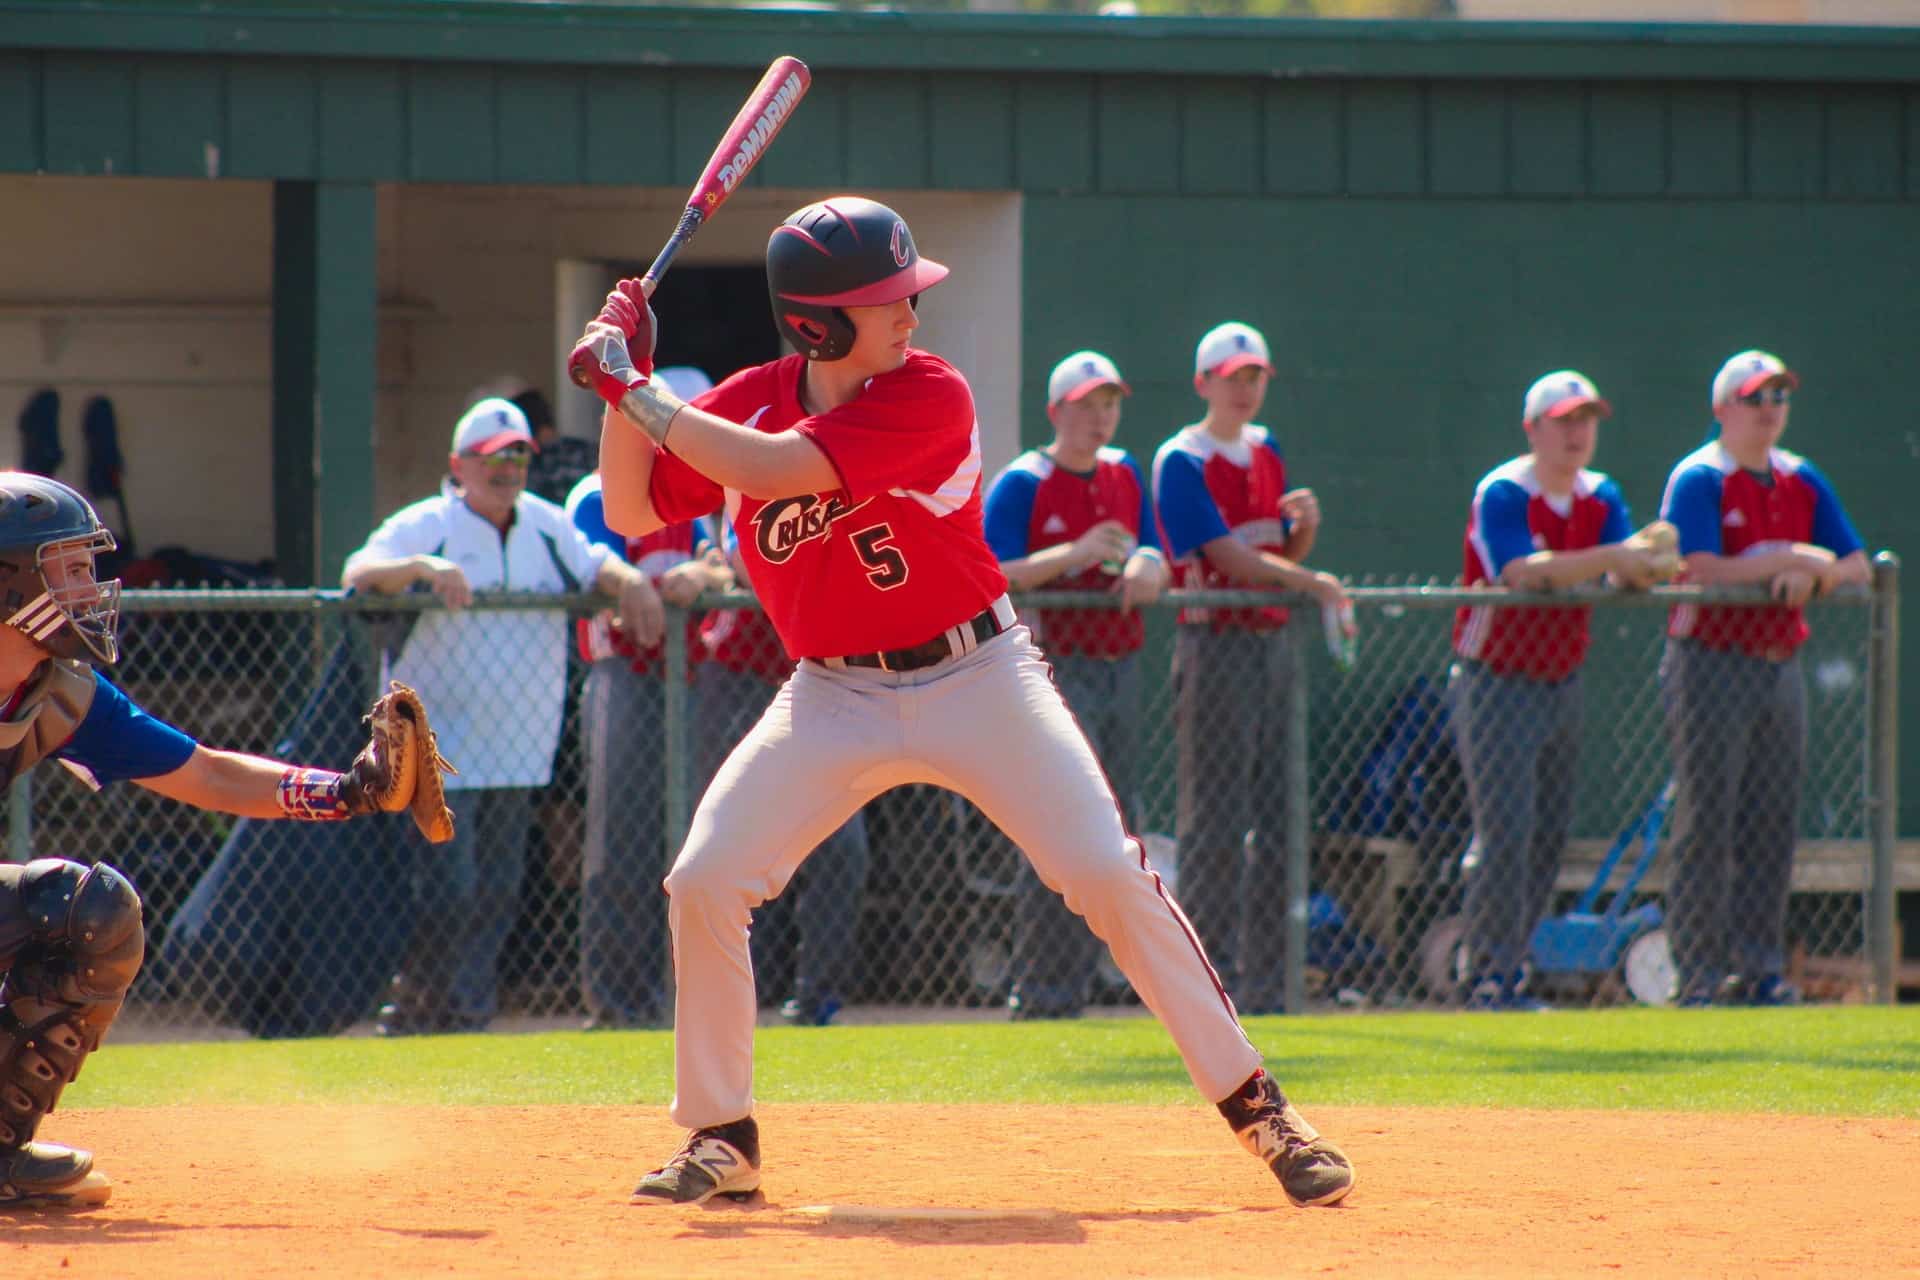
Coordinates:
(1748, 512)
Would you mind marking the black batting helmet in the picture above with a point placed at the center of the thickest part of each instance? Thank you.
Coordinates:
(845, 251)
(49, 536)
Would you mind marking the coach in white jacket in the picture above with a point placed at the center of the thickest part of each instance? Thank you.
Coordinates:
(496, 681)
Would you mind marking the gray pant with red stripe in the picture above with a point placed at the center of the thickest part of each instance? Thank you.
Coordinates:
(989, 725)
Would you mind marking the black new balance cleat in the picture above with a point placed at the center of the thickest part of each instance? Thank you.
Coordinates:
(1312, 1170)
(720, 1161)
(42, 1175)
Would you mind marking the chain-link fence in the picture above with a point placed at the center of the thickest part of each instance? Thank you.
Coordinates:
(1316, 819)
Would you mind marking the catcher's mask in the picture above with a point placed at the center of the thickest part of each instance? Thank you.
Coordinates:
(49, 538)
(845, 251)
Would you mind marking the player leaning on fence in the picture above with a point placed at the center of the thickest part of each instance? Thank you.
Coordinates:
(71, 938)
(1541, 521)
(1220, 491)
(1749, 513)
(852, 473)
(1075, 515)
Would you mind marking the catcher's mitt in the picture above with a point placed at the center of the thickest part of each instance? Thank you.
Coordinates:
(1661, 543)
(400, 767)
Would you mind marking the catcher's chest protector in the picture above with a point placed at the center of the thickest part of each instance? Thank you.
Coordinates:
(53, 706)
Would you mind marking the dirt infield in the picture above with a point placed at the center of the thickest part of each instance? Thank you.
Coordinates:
(1085, 1191)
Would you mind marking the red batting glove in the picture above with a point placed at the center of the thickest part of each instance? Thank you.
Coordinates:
(604, 360)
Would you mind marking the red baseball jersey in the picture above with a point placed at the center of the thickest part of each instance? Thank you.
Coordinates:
(1721, 507)
(1512, 518)
(1037, 503)
(896, 554)
(1205, 488)
(653, 555)
(743, 639)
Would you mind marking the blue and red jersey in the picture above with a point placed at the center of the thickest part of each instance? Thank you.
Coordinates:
(1206, 488)
(1720, 507)
(1036, 503)
(653, 555)
(1511, 518)
(892, 557)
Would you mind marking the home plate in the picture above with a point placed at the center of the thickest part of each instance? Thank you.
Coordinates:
(869, 1215)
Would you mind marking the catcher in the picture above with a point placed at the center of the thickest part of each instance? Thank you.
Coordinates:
(1541, 521)
(71, 938)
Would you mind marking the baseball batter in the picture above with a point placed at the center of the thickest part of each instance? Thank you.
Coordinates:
(852, 472)
(71, 938)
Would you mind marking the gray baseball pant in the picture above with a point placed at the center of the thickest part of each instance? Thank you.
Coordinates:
(623, 909)
(1232, 694)
(1738, 728)
(1519, 742)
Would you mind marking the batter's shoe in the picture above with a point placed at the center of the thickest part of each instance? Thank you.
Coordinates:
(721, 1161)
(42, 1175)
(1312, 1171)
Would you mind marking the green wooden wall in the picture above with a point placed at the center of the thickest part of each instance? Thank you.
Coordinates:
(1423, 217)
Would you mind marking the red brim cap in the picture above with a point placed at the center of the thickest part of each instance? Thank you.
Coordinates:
(1573, 404)
(1760, 380)
(922, 275)
(500, 440)
(1238, 361)
(1094, 384)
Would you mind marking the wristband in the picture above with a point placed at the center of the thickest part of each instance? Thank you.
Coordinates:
(312, 795)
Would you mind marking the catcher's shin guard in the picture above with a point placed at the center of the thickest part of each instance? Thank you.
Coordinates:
(64, 989)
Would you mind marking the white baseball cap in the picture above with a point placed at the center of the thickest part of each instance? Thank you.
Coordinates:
(1080, 373)
(684, 380)
(490, 426)
(1230, 346)
(1749, 371)
(1560, 393)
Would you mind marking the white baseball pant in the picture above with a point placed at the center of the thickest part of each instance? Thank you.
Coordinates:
(989, 725)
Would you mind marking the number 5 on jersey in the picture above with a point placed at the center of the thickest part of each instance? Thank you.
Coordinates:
(886, 567)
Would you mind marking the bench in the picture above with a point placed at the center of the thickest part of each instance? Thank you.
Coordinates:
(1392, 866)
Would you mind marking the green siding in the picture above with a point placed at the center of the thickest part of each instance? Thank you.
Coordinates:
(1303, 134)
(970, 132)
(1053, 133)
(1547, 140)
(272, 117)
(1627, 137)
(1862, 143)
(20, 98)
(541, 138)
(639, 103)
(1708, 151)
(361, 125)
(178, 122)
(1383, 155)
(451, 124)
(1139, 136)
(895, 154)
(1466, 140)
(1219, 137)
(87, 113)
(1785, 130)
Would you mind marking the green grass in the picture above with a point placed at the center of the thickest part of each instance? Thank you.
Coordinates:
(1851, 1061)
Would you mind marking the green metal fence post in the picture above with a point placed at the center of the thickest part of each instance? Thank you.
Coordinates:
(1883, 773)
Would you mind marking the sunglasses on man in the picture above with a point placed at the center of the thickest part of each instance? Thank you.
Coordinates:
(514, 455)
(1767, 395)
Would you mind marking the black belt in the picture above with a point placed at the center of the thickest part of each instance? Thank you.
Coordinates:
(984, 626)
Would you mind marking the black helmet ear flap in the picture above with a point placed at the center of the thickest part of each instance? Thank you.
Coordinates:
(818, 333)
